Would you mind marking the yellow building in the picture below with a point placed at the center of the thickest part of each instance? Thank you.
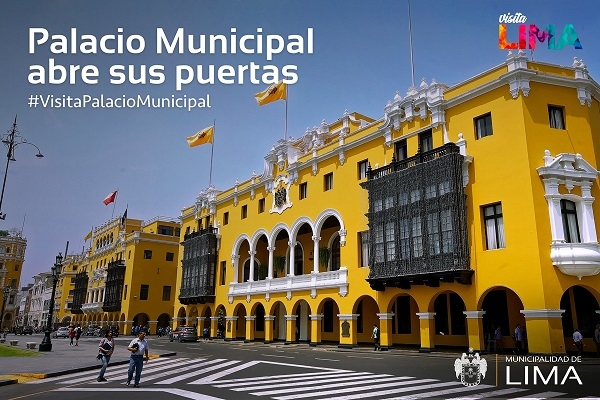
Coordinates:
(12, 256)
(127, 276)
(462, 209)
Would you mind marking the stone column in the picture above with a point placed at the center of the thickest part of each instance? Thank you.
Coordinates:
(348, 331)
(385, 330)
(545, 327)
(235, 260)
(271, 250)
(290, 329)
(127, 325)
(292, 266)
(427, 328)
(214, 326)
(475, 330)
(316, 240)
(230, 331)
(315, 329)
(250, 321)
(269, 328)
(152, 327)
(251, 277)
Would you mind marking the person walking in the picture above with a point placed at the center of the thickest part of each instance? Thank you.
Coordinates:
(597, 339)
(498, 341)
(578, 339)
(78, 331)
(71, 335)
(139, 353)
(375, 337)
(518, 338)
(105, 349)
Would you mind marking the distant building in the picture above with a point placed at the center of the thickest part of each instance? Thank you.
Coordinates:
(12, 256)
(127, 277)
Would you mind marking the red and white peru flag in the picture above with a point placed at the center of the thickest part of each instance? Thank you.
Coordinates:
(110, 198)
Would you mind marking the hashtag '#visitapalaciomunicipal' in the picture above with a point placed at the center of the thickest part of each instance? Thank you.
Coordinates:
(33, 100)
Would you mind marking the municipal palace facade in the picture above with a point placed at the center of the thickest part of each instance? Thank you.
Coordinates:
(461, 209)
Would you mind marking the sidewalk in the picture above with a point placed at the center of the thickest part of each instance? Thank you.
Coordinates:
(64, 358)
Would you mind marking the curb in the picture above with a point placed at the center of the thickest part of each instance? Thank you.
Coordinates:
(82, 369)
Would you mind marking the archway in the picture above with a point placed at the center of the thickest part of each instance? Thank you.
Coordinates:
(367, 309)
(502, 308)
(580, 307)
(405, 321)
(259, 322)
(330, 327)
(449, 320)
(302, 311)
(163, 320)
(141, 319)
(239, 326)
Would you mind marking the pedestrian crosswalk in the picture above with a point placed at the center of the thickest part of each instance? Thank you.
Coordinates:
(193, 375)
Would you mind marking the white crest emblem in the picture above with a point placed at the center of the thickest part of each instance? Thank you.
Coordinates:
(471, 368)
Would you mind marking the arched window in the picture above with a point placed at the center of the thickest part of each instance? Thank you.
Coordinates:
(247, 270)
(298, 260)
(335, 254)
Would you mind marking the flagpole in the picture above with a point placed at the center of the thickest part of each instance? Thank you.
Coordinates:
(286, 112)
(212, 149)
(412, 64)
(114, 204)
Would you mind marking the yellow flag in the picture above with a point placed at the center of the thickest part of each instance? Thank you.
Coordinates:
(202, 137)
(88, 236)
(277, 91)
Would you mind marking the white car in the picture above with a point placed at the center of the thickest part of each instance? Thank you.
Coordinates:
(63, 331)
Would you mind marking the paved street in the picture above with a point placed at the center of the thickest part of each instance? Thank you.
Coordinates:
(238, 370)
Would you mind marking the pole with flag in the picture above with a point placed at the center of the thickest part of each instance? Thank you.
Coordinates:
(111, 198)
(124, 217)
(276, 91)
(204, 136)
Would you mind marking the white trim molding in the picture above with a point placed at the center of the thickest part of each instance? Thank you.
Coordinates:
(542, 314)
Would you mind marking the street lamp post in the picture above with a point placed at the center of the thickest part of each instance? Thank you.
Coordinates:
(12, 140)
(6, 291)
(46, 344)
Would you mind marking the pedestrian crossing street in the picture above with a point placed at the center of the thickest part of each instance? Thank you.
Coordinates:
(308, 382)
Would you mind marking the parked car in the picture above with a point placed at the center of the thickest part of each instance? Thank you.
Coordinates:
(102, 331)
(26, 330)
(92, 330)
(184, 334)
(63, 331)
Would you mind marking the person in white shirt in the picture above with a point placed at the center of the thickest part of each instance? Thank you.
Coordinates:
(139, 353)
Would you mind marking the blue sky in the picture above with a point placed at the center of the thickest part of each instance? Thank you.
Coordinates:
(361, 58)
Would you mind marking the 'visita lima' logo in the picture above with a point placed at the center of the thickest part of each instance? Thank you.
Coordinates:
(531, 34)
(471, 368)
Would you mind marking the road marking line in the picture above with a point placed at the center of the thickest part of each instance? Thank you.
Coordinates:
(544, 395)
(273, 355)
(177, 392)
(56, 378)
(293, 381)
(326, 359)
(494, 394)
(182, 369)
(269, 378)
(363, 380)
(442, 392)
(228, 371)
(195, 373)
(370, 389)
(120, 370)
(372, 358)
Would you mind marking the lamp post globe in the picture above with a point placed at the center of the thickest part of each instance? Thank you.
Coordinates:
(46, 344)
(12, 140)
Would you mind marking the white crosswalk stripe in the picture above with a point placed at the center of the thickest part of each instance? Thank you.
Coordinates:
(310, 382)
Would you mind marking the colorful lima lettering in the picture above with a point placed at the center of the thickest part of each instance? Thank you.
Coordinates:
(567, 38)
